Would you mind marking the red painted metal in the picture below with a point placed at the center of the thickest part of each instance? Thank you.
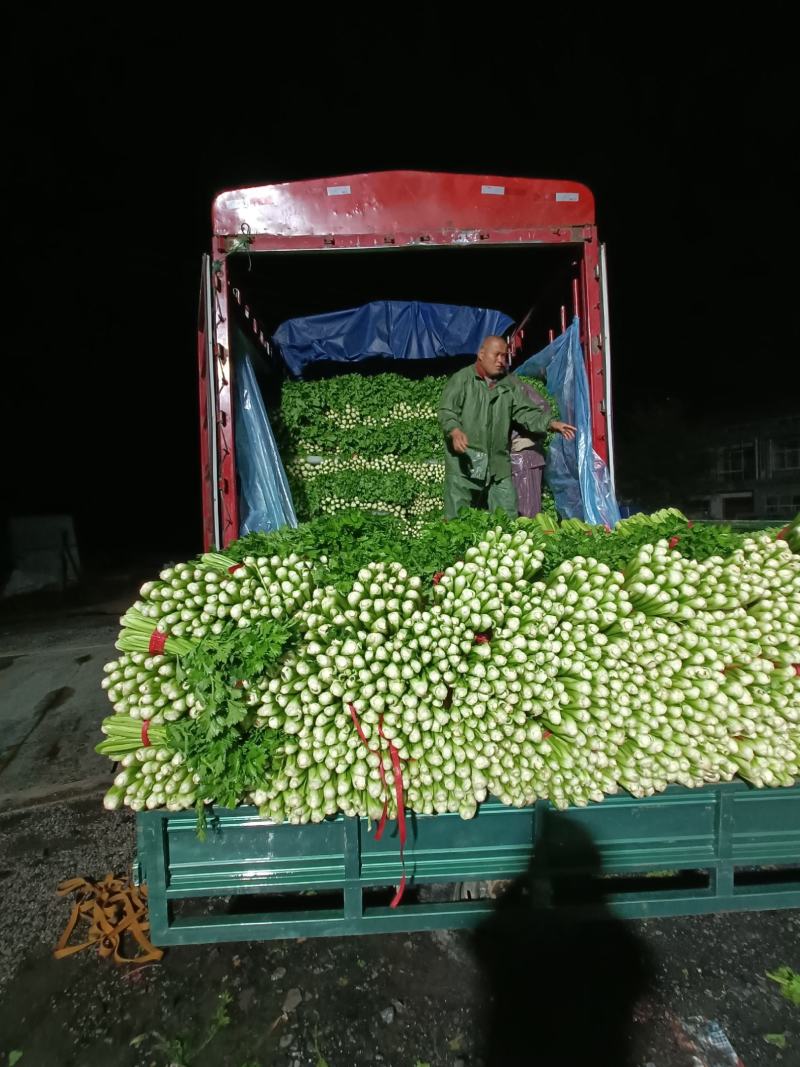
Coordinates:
(229, 500)
(592, 341)
(205, 437)
(390, 210)
(396, 202)
(250, 318)
(578, 305)
(448, 237)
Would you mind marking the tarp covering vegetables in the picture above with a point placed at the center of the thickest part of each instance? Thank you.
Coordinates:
(390, 329)
(344, 666)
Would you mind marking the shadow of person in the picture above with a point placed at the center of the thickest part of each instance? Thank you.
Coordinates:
(562, 974)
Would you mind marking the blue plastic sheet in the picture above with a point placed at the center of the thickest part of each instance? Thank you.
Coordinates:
(265, 502)
(577, 476)
(391, 329)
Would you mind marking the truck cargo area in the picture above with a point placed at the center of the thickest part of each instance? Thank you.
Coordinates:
(533, 285)
(725, 847)
(276, 286)
(526, 248)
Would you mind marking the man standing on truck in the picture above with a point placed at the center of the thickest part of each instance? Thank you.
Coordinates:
(476, 411)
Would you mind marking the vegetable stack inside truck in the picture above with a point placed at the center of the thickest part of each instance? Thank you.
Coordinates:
(348, 694)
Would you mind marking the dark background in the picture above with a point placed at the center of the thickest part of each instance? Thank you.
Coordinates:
(120, 131)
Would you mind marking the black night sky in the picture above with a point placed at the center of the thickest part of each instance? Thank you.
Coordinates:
(120, 132)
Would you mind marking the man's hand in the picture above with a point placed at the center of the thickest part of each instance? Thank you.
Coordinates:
(460, 442)
(563, 428)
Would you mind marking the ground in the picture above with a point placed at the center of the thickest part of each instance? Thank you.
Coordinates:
(518, 992)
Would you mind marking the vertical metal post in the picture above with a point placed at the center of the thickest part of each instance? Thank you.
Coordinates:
(607, 366)
(351, 841)
(213, 427)
(155, 844)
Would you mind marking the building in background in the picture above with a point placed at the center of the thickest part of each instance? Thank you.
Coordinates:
(753, 472)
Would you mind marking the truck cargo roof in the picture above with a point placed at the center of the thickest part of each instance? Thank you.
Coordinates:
(390, 202)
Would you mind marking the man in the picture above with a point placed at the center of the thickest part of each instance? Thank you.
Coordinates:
(476, 411)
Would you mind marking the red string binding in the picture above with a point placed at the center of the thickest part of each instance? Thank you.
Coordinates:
(394, 755)
(157, 642)
(401, 813)
(363, 736)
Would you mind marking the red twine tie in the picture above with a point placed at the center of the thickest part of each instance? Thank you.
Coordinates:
(145, 734)
(398, 785)
(401, 813)
(673, 541)
(235, 568)
(158, 642)
(481, 639)
(438, 577)
(363, 736)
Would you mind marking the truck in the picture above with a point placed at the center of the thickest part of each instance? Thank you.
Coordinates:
(527, 245)
(532, 247)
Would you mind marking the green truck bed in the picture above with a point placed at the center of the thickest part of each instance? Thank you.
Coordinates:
(721, 848)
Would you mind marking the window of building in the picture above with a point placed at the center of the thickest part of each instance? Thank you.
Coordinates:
(786, 454)
(783, 505)
(737, 462)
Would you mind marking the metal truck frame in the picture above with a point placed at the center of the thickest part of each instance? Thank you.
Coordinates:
(387, 211)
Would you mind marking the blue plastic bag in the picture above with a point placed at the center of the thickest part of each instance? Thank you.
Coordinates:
(265, 502)
(577, 476)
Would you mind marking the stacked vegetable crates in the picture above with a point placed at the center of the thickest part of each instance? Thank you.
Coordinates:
(725, 847)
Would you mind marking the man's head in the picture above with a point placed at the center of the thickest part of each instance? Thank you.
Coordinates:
(493, 356)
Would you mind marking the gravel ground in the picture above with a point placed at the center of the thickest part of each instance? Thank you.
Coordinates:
(523, 990)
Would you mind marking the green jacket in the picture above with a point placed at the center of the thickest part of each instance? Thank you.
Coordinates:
(485, 416)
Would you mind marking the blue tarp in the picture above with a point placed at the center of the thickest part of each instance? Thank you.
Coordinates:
(265, 502)
(577, 476)
(391, 329)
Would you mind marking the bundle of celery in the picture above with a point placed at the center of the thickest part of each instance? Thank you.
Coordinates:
(561, 662)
